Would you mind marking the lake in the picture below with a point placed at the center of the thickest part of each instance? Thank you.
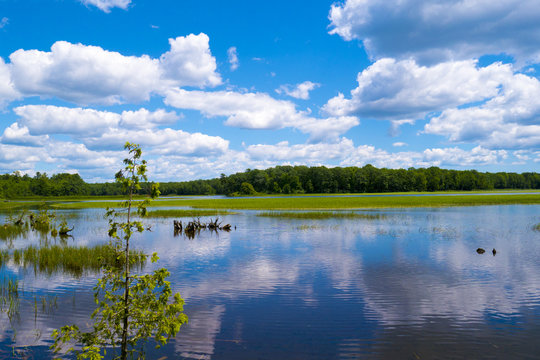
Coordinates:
(407, 284)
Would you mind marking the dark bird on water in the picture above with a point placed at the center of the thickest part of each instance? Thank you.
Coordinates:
(494, 252)
(480, 250)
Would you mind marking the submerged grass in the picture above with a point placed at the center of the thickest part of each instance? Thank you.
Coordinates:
(320, 215)
(9, 298)
(70, 259)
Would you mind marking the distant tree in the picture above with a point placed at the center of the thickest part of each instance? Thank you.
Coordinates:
(247, 189)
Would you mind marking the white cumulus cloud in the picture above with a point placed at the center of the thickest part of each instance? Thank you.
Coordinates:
(460, 157)
(84, 122)
(509, 120)
(104, 130)
(300, 91)
(190, 62)
(346, 153)
(16, 135)
(161, 141)
(107, 5)
(233, 58)
(48, 119)
(258, 111)
(89, 74)
(404, 90)
(432, 31)
(144, 119)
(84, 74)
(7, 90)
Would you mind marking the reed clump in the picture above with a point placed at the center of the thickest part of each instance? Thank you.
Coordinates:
(10, 231)
(72, 260)
(42, 222)
(319, 215)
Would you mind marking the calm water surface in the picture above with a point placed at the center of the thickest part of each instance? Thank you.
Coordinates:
(408, 285)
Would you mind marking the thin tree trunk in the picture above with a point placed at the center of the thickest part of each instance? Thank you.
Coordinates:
(126, 290)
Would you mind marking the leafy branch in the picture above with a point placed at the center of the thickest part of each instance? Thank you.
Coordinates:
(131, 308)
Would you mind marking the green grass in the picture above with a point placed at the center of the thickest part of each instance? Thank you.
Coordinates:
(20, 205)
(308, 215)
(536, 227)
(335, 203)
(191, 213)
(12, 231)
(330, 202)
(73, 260)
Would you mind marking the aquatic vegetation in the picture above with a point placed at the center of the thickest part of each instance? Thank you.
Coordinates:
(191, 213)
(19, 205)
(536, 227)
(64, 229)
(321, 215)
(48, 304)
(9, 297)
(42, 221)
(10, 231)
(4, 256)
(73, 260)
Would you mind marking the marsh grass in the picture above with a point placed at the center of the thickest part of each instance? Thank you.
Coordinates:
(11, 231)
(4, 257)
(191, 213)
(9, 297)
(536, 227)
(320, 215)
(331, 202)
(72, 260)
(8, 206)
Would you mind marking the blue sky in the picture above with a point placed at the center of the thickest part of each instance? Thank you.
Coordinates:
(211, 87)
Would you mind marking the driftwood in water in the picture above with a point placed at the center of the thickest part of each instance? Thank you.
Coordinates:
(65, 230)
(193, 227)
(177, 227)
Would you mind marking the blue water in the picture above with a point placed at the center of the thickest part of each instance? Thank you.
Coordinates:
(409, 285)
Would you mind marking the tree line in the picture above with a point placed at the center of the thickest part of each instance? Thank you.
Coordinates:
(284, 180)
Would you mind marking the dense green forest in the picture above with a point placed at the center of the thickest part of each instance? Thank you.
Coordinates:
(284, 180)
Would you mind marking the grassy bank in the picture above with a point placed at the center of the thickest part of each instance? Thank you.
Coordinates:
(328, 202)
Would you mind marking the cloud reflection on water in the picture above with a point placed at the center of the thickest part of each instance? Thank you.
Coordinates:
(414, 271)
